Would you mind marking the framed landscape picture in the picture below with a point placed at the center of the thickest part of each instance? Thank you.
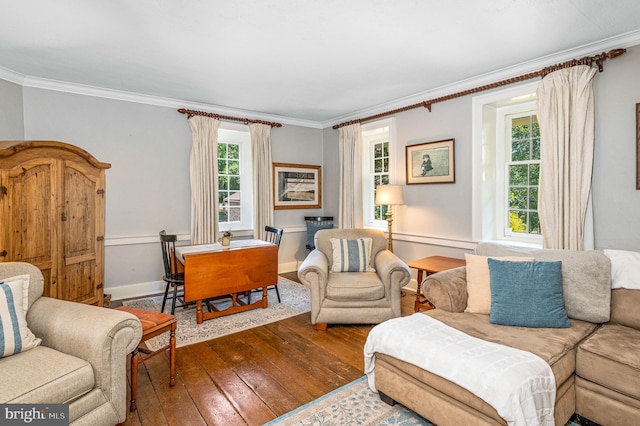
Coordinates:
(296, 186)
(431, 162)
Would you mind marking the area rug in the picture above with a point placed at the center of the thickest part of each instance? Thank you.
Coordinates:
(295, 297)
(352, 404)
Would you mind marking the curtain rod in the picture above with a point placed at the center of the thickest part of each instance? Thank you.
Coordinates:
(587, 60)
(190, 113)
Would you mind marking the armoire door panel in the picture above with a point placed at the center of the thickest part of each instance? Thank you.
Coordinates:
(28, 217)
(79, 282)
(79, 226)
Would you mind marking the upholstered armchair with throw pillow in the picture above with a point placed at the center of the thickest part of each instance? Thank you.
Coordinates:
(60, 352)
(353, 278)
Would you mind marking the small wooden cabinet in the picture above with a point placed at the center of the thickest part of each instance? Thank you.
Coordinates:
(52, 198)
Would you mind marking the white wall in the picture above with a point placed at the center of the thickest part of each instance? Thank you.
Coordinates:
(148, 183)
(437, 218)
(616, 199)
(11, 119)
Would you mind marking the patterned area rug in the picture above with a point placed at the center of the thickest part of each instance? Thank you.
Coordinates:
(352, 404)
(296, 299)
(355, 404)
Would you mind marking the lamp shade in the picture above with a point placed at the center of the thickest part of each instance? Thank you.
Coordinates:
(389, 195)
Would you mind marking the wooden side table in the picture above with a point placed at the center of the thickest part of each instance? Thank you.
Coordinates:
(153, 324)
(431, 265)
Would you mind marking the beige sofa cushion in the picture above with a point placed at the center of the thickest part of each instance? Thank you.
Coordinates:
(556, 346)
(610, 358)
(343, 286)
(624, 307)
(44, 375)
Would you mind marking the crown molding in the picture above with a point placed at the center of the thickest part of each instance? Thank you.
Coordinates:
(121, 95)
(12, 76)
(625, 40)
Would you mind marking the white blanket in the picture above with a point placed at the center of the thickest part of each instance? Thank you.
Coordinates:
(518, 384)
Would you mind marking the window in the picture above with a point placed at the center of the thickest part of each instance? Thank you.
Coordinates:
(235, 195)
(506, 162)
(522, 169)
(377, 165)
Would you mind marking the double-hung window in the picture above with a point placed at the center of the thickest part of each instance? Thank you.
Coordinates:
(506, 161)
(521, 174)
(377, 149)
(235, 194)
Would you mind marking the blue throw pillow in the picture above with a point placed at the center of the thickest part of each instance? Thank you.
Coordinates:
(527, 294)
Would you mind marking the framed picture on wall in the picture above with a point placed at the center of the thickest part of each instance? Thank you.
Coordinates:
(297, 186)
(431, 162)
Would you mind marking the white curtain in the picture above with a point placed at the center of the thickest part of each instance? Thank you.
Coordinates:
(262, 177)
(566, 116)
(350, 205)
(204, 179)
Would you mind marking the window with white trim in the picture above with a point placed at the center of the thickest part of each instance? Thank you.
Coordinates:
(521, 174)
(235, 192)
(377, 149)
(506, 161)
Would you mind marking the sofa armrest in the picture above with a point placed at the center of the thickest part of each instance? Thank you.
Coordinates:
(314, 271)
(103, 337)
(393, 272)
(447, 290)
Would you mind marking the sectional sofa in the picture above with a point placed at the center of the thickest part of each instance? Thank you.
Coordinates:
(595, 361)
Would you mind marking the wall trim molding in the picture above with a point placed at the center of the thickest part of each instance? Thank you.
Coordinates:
(435, 241)
(628, 39)
(121, 95)
(625, 40)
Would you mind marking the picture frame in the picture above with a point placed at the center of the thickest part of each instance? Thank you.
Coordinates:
(637, 146)
(297, 186)
(431, 162)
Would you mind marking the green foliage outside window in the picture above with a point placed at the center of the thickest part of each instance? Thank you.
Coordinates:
(228, 182)
(380, 174)
(524, 175)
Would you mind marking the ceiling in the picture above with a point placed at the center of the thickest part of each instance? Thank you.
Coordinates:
(320, 61)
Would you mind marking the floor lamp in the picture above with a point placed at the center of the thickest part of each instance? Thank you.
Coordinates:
(389, 195)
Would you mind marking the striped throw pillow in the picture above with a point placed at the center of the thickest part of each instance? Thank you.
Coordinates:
(14, 302)
(351, 255)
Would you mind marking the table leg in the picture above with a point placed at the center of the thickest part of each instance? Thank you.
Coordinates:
(265, 300)
(199, 312)
(172, 355)
(416, 306)
(134, 378)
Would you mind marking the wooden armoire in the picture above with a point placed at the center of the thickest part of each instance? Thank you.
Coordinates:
(52, 200)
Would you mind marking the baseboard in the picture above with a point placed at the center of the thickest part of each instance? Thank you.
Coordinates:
(411, 287)
(131, 291)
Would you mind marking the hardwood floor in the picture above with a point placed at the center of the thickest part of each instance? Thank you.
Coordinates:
(252, 376)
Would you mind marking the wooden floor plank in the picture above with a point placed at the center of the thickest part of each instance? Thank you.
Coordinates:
(212, 404)
(252, 409)
(253, 376)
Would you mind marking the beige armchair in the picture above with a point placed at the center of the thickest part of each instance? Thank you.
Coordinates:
(353, 297)
(82, 360)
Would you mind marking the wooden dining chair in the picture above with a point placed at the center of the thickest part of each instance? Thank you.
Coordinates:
(171, 276)
(272, 235)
